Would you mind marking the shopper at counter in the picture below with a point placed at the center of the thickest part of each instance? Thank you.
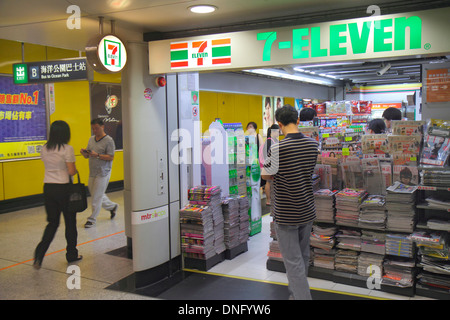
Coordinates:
(390, 114)
(100, 151)
(59, 160)
(290, 167)
(307, 114)
(376, 126)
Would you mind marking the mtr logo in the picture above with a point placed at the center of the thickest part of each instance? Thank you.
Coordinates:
(200, 53)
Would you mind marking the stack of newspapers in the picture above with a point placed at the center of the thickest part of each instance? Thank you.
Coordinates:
(400, 204)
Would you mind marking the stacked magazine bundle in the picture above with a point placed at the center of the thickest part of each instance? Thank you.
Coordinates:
(202, 223)
(398, 272)
(323, 237)
(325, 201)
(244, 223)
(368, 262)
(373, 242)
(230, 210)
(197, 231)
(348, 239)
(399, 245)
(323, 258)
(348, 202)
(430, 177)
(373, 212)
(400, 203)
(346, 261)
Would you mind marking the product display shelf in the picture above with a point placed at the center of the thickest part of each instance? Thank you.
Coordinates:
(426, 212)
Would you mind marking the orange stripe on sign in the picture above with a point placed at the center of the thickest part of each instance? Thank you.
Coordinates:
(179, 64)
(197, 44)
(221, 61)
(221, 42)
(176, 46)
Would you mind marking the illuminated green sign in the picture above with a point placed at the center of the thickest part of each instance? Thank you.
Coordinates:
(339, 34)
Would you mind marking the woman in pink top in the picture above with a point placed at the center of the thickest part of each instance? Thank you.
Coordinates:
(59, 161)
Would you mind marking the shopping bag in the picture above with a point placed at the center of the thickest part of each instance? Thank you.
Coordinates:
(77, 196)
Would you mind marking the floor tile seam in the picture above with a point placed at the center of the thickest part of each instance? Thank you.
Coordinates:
(61, 250)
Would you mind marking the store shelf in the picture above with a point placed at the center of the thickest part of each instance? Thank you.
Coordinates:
(425, 291)
(428, 207)
(351, 279)
(432, 188)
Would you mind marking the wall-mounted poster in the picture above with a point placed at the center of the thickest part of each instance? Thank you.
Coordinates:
(23, 119)
(268, 113)
(106, 104)
(278, 102)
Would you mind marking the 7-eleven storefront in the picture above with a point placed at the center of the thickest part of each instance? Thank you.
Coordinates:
(162, 148)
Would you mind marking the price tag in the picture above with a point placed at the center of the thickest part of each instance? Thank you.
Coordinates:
(345, 151)
(348, 138)
(325, 135)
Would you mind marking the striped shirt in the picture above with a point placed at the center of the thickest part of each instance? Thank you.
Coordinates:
(292, 163)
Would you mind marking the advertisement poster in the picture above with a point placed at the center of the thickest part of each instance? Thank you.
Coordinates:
(23, 119)
(268, 113)
(106, 104)
(438, 85)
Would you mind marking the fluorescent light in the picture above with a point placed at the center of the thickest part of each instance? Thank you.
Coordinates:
(326, 65)
(204, 8)
(282, 75)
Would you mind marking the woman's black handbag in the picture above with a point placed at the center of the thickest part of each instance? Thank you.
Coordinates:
(77, 196)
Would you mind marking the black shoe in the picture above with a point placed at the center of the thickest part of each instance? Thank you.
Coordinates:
(113, 211)
(76, 259)
(37, 264)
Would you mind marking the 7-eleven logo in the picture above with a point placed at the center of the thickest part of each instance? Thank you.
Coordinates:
(112, 53)
(200, 53)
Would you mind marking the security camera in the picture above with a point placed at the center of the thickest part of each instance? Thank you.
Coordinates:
(383, 70)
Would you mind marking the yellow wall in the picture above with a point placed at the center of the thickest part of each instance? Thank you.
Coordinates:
(232, 107)
(72, 104)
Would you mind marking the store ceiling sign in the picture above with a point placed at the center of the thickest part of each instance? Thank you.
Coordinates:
(106, 53)
(383, 106)
(374, 37)
(50, 71)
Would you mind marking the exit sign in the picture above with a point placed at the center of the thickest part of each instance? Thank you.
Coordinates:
(50, 71)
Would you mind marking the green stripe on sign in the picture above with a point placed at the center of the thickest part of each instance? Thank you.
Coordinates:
(221, 52)
(178, 55)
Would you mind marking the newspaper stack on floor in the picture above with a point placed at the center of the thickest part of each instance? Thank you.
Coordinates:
(368, 264)
(348, 202)
(348, 239)
(373, 213)
(325, 201)
(398, 272)
(211, 196)
(197, 232)
(230, 210)
(244, 222)
(346, 261)
(373, 242)
(274, 251)
(400, 204)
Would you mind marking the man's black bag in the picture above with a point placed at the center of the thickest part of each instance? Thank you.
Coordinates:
(77, 196)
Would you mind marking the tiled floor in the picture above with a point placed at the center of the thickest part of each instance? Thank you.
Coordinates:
(20, 232)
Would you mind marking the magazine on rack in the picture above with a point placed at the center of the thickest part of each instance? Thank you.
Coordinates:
(407, 128)
(408, 175)
(310, 132)
(436, 143)
(375, 143)
(405, 149)
(374, 182)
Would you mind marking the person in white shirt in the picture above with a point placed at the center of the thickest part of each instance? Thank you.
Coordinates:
(59, 162)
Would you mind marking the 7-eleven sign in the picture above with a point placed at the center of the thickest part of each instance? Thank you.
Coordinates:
(112, 53)
(200, 53)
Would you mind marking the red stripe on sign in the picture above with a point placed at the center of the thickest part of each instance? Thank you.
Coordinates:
(221, 61)
(179, 64)
(176, 46)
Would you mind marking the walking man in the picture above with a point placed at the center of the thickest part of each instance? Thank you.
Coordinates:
(290, 166)
(100, 151)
